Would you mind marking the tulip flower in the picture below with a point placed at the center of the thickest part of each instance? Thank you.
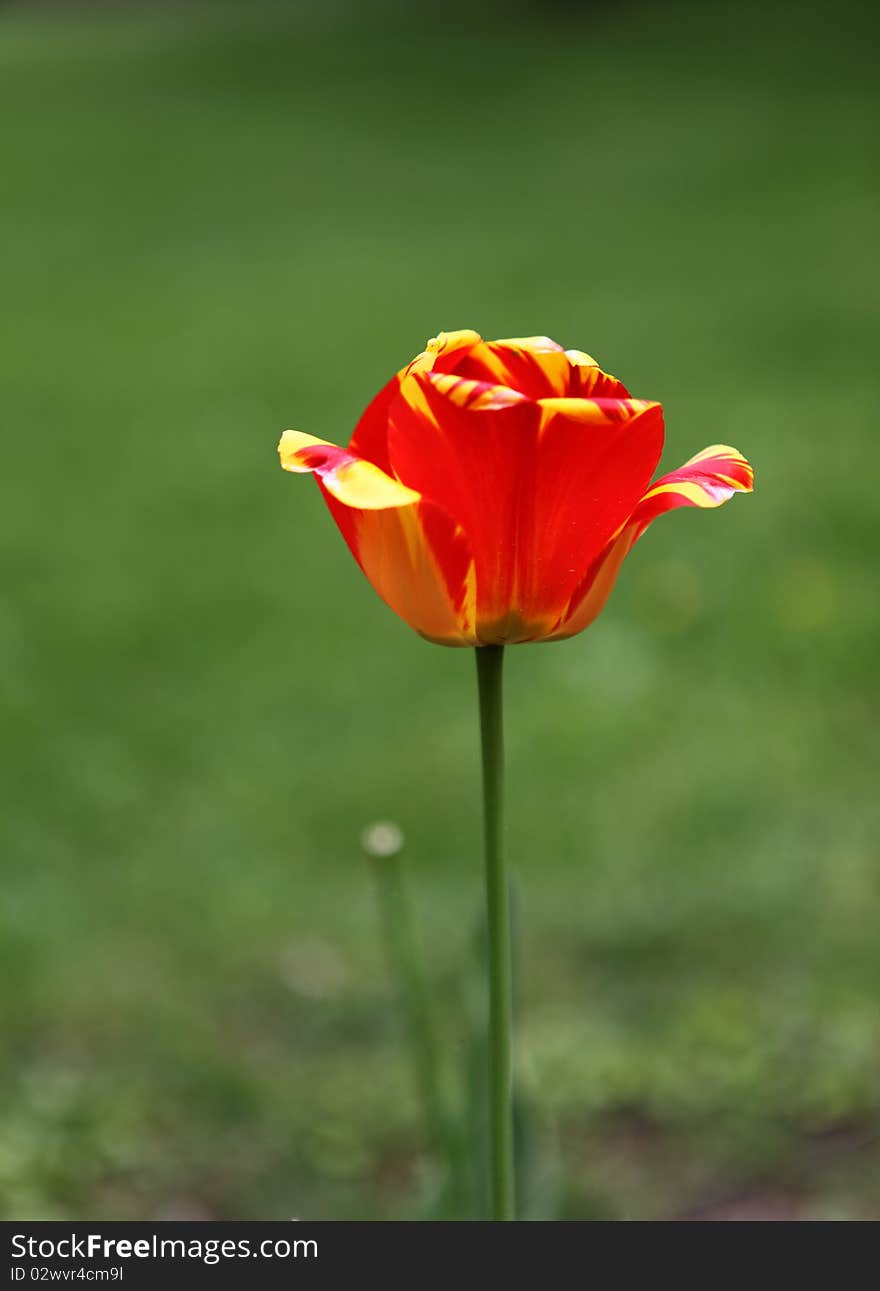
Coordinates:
(492, 490)
(490, 493)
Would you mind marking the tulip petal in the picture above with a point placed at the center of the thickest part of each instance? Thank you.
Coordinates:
(534, 365)
(586, 380)
(348, 478)
(597, 456)
(464, 392)
(539, 368)
(539, 491)
(707, 480)
(415, 556)
(590, 597)
(419, 562)
(442, 351)
(599, 410)
(370, 438)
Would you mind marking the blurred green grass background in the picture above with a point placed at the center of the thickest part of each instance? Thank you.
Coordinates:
(218, 221)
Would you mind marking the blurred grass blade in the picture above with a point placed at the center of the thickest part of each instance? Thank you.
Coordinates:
(406, 970)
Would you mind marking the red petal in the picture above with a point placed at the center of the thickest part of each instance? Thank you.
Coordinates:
(415, 556)
(707, 480)
(539, 490)
(370, 438)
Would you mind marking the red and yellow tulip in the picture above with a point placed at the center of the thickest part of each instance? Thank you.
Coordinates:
(492, 489)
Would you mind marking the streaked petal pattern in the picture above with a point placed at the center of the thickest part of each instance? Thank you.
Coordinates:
(492, 490)
(539, 368)
(416, 557)
(348, 478)
(706, 480)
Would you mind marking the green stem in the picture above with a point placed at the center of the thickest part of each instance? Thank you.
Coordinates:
(490, 661)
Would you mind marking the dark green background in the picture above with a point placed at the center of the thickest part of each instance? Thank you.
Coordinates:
(220, 221)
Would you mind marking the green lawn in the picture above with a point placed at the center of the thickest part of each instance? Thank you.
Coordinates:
(219, 222)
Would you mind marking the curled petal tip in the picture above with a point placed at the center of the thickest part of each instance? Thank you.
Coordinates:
(300, 452)
(350, 479)
(707, 480)
(442, 346)
(727, 465)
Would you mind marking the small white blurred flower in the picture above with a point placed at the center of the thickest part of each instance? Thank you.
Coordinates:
(383, 838)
